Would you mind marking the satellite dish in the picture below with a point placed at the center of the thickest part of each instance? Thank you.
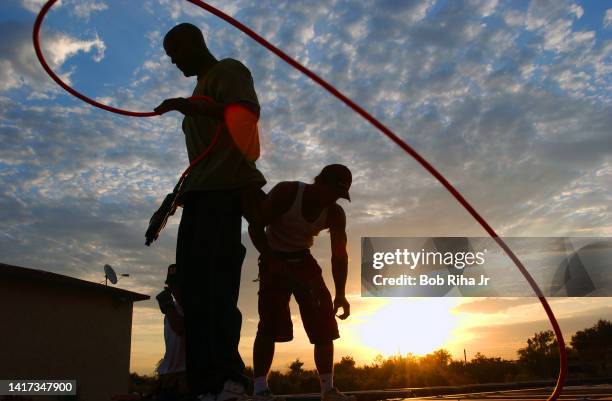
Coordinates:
(110, 274)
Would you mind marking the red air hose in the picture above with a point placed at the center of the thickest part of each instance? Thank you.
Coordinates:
(449, 187)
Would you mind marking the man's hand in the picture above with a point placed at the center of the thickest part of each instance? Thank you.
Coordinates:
(341, 302)
(179, 104)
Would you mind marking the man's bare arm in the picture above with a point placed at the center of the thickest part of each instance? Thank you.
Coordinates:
(192, 107)
(278, 202)
(241, 119)
(337, 230)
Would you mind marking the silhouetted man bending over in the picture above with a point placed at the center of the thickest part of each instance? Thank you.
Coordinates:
(209, 254)
(293, 214)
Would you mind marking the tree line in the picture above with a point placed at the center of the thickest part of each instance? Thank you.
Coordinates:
(589, 356)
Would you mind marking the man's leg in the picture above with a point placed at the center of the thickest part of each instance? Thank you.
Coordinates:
(187, 268)
(274, 325)
(223, 234)
(263, 353)
(209, 258)
(324, 361)
(317, 311)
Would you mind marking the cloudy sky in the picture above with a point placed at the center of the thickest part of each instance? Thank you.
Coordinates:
(510, 99)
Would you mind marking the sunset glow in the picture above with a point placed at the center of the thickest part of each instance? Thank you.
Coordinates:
(417, 326)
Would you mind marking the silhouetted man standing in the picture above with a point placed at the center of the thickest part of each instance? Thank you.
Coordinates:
(209, 254)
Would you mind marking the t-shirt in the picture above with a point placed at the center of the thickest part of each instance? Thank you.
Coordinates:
(225, 167)
(174, 358)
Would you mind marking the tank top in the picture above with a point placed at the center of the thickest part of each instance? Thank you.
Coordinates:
(291, 232)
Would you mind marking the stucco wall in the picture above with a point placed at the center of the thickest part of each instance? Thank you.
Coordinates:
(54, 332)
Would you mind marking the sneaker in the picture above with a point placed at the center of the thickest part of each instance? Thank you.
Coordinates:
(267, 395)
(335, 395)
(232, 391)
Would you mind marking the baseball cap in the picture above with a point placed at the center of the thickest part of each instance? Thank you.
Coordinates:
(339, 177)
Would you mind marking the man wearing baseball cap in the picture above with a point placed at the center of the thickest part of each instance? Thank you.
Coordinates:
(293, 214)
(338, 177)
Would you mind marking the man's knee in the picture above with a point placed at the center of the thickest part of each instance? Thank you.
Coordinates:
(269, 335)
(324, 344)
(263, 338)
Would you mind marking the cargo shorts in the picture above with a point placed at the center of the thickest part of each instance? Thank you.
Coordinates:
(301, 277)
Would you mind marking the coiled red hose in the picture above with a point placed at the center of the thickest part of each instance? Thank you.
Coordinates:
(358, 109)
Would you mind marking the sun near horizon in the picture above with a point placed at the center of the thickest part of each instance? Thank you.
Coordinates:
(386, 327)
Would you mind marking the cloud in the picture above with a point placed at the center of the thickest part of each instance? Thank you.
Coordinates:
(492, 305)
(493, 338)
(63, 46)
(175, 8)
(35, 5)
(554, 19)
(607, 21)
(84, 9)
(79, 8)
(485, 8)
(20, 65)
